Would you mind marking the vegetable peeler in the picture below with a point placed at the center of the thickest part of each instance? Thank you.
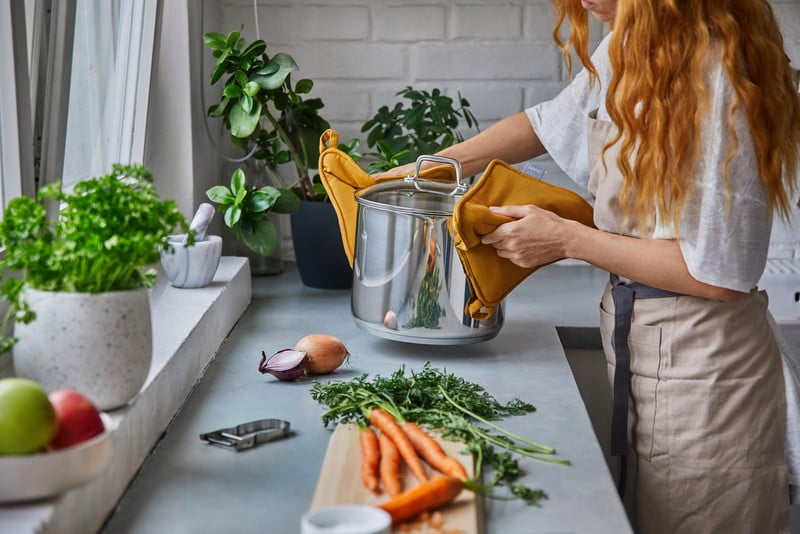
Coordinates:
(248, 435)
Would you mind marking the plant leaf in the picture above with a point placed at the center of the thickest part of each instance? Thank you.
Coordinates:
(247, 103)
(219, 109)
(255, 49)
(232, 38)
(287, 202)
(320, 190)
(270, 68)
(220, 194)
(263, 199)
(241, 78)
(281, 101)
(238, 180)
(304, 86)
(232, 215)
(241, 194)
(217, 73)
(232, 91)
(243, 124)
(261, 237)
(286, 65)
(251, 88)
(214, 40)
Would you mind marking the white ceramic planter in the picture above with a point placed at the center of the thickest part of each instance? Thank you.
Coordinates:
(98, 344)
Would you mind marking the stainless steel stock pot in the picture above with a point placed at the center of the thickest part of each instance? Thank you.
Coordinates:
(408, 282)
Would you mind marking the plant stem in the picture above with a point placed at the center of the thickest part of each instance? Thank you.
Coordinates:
(538, 446)
(275, 173)
(521, 450)
(302, 169)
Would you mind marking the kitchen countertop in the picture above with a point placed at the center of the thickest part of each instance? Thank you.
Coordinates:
(189, 486)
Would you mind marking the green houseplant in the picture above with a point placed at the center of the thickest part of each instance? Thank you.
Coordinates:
(272, 117)
(265, 112)
(424, 123)
(246, 208)
(73, 271)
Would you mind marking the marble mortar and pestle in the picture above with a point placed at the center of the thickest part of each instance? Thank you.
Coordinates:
(193, 265)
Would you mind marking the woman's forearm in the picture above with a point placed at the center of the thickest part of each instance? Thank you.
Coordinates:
(655, 262)
(512, 140)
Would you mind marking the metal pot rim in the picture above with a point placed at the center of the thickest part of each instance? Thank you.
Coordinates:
(410, 187)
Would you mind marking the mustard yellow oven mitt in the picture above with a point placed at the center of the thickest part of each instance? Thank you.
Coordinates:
(342, 177)
(490, 277)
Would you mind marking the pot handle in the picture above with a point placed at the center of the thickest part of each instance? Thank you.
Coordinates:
(460, 187)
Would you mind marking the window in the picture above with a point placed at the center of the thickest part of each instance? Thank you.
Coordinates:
(16, 151)
(109, 86)
(80, 96)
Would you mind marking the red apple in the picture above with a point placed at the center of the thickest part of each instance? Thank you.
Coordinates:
(78, 419)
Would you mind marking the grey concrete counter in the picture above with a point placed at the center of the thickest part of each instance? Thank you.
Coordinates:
(188, 486)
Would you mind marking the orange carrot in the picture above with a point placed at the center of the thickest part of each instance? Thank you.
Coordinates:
(432, 452)
(428, 496)
(386, 423)
(390, 466)
(370, 458)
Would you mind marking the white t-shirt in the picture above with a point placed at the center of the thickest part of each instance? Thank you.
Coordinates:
(722, 247)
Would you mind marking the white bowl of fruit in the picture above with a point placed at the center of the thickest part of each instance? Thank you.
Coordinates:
(48, 443)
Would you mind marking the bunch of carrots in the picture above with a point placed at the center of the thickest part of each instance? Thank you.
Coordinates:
(399, 405)
(402, 441)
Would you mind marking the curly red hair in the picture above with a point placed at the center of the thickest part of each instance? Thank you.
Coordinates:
(657, 96)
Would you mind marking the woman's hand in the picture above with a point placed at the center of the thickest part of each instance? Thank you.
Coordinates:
(536, 237)
(403, 170)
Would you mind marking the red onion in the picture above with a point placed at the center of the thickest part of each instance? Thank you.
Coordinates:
(286, 364)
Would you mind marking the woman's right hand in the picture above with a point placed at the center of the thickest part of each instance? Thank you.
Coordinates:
(403, 170)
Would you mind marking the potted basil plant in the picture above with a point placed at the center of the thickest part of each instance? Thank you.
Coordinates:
(76, 286)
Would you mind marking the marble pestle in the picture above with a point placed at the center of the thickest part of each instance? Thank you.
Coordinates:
(201, 220)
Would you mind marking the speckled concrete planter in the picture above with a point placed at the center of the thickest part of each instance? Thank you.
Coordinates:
(98, 344)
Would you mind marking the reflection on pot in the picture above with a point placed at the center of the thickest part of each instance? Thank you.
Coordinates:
(427, 310)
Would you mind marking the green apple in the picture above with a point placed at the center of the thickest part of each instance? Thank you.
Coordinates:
(27, 418)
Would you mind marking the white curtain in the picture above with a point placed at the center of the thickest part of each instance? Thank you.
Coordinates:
(105, 89)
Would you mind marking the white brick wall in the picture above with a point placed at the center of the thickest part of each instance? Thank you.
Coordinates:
(497, 53)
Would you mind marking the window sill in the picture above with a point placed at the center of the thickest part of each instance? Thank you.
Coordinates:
(189, 325)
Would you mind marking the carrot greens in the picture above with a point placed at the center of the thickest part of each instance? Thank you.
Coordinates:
(460, 410)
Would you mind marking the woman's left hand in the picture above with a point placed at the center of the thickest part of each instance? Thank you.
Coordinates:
(535, 238)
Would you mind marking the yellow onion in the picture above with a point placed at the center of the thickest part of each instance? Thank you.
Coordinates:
(324, 353)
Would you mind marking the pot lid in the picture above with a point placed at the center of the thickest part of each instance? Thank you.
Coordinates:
(416, 197)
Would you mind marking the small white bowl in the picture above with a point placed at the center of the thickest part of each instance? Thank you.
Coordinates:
(194, 265)
(347, 519)
(46, 474)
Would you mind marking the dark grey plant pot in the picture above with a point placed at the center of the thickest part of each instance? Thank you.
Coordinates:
(318, 250)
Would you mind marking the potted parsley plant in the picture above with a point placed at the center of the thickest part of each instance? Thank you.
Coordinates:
(76, 286)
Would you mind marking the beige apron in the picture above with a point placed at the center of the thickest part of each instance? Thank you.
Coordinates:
(706, 418)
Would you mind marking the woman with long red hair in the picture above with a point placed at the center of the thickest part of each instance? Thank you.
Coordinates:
(684, 126)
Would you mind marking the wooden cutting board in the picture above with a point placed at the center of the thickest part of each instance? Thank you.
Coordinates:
(340, 483)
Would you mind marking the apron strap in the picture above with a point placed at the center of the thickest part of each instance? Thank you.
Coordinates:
(623, 295)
